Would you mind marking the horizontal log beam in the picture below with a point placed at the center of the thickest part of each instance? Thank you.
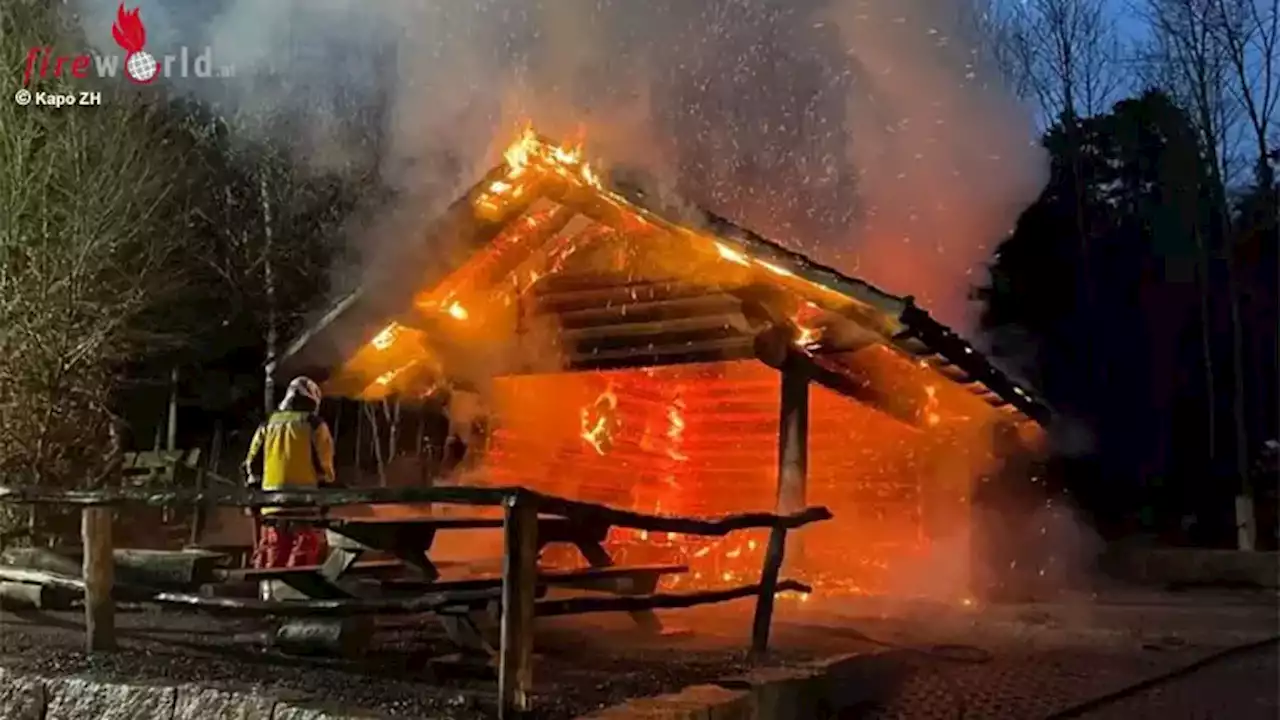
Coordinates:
(655, 601)
(588, 514)
(612, 292)
(643, 310)
(716, 527)
(625, 329)
(731, 348)
(449, 495)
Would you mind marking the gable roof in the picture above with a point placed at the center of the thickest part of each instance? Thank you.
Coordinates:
(545, 199)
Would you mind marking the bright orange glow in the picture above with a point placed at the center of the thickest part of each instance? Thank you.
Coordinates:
(732, 255)
(775, 269)
(600, 422)
(456, 311)
(386, 337)
(702, 440)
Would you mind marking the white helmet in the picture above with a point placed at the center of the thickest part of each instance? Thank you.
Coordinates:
(301, 387)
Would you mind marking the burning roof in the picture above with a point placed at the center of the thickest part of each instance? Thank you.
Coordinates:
(545, 266)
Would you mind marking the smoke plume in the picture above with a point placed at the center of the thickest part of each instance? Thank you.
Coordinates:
(869, 134)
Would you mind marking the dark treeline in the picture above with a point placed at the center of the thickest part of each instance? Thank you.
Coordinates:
(1146, 312)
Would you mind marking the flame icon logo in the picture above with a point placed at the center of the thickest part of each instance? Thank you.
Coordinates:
(131, 35)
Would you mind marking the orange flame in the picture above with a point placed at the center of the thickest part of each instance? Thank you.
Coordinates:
(599, 422)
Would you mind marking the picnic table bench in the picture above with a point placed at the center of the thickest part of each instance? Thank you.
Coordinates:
(408, 540)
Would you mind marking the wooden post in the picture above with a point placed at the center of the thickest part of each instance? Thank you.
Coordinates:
(773, 557)
(99, 576)
(793, 447)
(519, 579)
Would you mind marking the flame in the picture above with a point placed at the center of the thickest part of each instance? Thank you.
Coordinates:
(388, 377)
(128, 31)
(931, 416)
(456, 311)
(808, 337)
(386, 337)
(732, 255)
(599, 421)
(775, 269)
(530, 152)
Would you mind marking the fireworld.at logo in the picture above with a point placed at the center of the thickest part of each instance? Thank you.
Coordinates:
(140, 66)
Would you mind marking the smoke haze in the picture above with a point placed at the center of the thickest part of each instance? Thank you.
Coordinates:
(869, 134)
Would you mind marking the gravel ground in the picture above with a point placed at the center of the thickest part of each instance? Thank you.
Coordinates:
(580, 666)
(999, 664)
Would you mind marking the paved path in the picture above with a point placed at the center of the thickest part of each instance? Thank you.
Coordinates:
(1244, 687)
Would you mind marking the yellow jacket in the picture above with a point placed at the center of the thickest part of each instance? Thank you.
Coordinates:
(292, 450)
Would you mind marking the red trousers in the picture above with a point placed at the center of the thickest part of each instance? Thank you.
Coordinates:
(283, 544)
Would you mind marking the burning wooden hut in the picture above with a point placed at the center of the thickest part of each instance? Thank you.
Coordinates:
(655, 357)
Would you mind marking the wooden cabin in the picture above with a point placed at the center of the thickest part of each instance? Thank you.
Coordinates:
(595, 339)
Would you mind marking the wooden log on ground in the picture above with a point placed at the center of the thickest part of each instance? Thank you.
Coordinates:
(148, 568)
(43, 560)
(343, 637)
(656, 601)
(72, 586)
(774, 555)
(26, 596)
(99, 576)
(519, 585)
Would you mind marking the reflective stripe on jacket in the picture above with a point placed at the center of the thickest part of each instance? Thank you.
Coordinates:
(292, 450)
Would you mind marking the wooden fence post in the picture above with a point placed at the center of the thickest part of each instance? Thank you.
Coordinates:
(773, 557)
(519, 580)
(793, 449)
(99, 576)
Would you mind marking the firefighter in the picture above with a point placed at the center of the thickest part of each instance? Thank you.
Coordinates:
(292, 450)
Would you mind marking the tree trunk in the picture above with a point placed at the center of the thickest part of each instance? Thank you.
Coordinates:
(269, 289)
(1246, 518)
(1206, 348)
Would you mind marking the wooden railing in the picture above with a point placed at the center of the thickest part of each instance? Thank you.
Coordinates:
(521, 508)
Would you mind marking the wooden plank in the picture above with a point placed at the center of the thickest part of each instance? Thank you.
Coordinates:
(626, 328)
(369, 566)
(649, 311)
(434, 602)
(728, 348)
(576, 511)
(425, 523)
(718, 527)
(560, 578)
(773, 558)
(519, 580)
(319, 498)
(99, 572)
(656, 601)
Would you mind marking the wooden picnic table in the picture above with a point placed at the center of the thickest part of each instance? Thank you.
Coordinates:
(409, 539)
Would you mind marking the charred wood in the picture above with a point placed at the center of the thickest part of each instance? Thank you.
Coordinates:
(656, 601)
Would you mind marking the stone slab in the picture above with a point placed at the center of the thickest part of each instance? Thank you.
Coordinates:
(76, 699)
(196, 703)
